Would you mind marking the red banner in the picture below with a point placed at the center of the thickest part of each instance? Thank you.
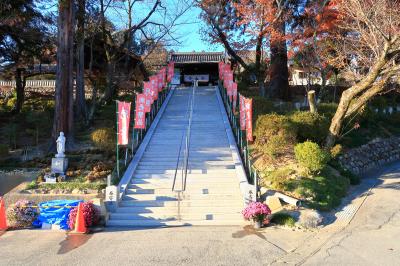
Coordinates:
(242, 112)
(221, 66)
(124, 115)
(229, 89)
(234, 94)
(140, 118)
(226, 69)
(171, 71)
(228, 76)
(147, 88)
(154, 87)
(160, 81)
(148, 102)
(249, 119)
(163, 73)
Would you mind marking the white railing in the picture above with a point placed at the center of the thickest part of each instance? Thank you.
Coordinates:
(30, 83)
(5, 83)
(7, 87)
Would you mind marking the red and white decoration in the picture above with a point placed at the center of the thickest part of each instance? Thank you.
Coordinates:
(140, 118)
(242, 112)
(234, 94)
(124, 114)
(171, 71)
(249, 118)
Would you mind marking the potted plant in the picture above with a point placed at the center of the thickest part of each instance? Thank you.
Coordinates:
(257, 212)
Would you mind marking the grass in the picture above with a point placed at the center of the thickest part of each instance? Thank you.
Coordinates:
(354, 179)
(32, 185)
(322, 192)
(283, 219)
(67, 185)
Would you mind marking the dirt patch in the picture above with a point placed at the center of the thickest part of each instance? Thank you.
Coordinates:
(10, 180)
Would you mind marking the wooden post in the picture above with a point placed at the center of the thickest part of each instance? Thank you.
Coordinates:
(311, 101)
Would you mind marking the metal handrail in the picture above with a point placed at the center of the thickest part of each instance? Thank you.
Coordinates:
(251, 172)
(187, 145)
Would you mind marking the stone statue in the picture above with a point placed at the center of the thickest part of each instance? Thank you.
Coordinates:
(60, 146)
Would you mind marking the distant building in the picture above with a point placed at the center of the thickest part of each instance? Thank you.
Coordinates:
(301, 77)
(200, 66)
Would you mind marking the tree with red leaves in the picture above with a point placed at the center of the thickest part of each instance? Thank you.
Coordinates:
(255, 24)
(228, 24)
(309, 44)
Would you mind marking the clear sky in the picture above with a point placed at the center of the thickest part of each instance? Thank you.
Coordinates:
(187, 30)
(192, 40)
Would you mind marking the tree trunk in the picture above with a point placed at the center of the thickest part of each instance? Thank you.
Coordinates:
(258, 68)
(110, 89)
(365, 92)
(92, 80)
(20, 88)
(63, 112)
(80, 102)
(278, 70)
(338, 118)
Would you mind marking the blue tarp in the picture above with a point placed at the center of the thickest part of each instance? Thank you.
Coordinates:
(55, 212)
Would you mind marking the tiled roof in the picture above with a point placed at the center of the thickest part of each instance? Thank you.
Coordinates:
(197, 57)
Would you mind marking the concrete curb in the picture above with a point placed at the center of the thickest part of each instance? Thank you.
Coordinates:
(248, 190)
(126, 178)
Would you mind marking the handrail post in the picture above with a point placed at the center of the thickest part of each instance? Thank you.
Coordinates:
(189, 112)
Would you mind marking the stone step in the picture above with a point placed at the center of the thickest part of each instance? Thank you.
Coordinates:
(174, 216)
(209, 155)
(192, 167)
(164, 223)
(190, 186)
(198, 150)
(194, 143)
(195, 178)
(172, 196)
(167, 181)
(168, 160)
(172, 202)
(192, 164)
(190, 190)
(221, 172)
(183, 209)
(192, 157)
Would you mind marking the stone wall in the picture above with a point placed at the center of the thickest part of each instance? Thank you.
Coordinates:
(371, 155)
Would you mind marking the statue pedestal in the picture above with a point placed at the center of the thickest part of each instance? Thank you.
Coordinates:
(59, 165)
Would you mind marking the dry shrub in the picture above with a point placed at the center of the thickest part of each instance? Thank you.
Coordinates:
(104, 139)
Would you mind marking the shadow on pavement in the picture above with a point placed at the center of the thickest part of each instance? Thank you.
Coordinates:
(248, 230)
(72, 242)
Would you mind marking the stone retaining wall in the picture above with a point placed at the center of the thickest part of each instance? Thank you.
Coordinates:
(12, 197)
(371, 155)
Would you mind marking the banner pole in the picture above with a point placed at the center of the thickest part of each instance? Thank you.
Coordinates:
(137, 138)
(117, 140)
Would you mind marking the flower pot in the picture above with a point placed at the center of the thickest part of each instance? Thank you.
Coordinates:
(257, 224)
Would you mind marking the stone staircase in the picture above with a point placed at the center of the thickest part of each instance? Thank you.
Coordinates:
(212, 195)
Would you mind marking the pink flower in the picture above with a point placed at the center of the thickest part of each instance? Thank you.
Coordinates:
(256, 211)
